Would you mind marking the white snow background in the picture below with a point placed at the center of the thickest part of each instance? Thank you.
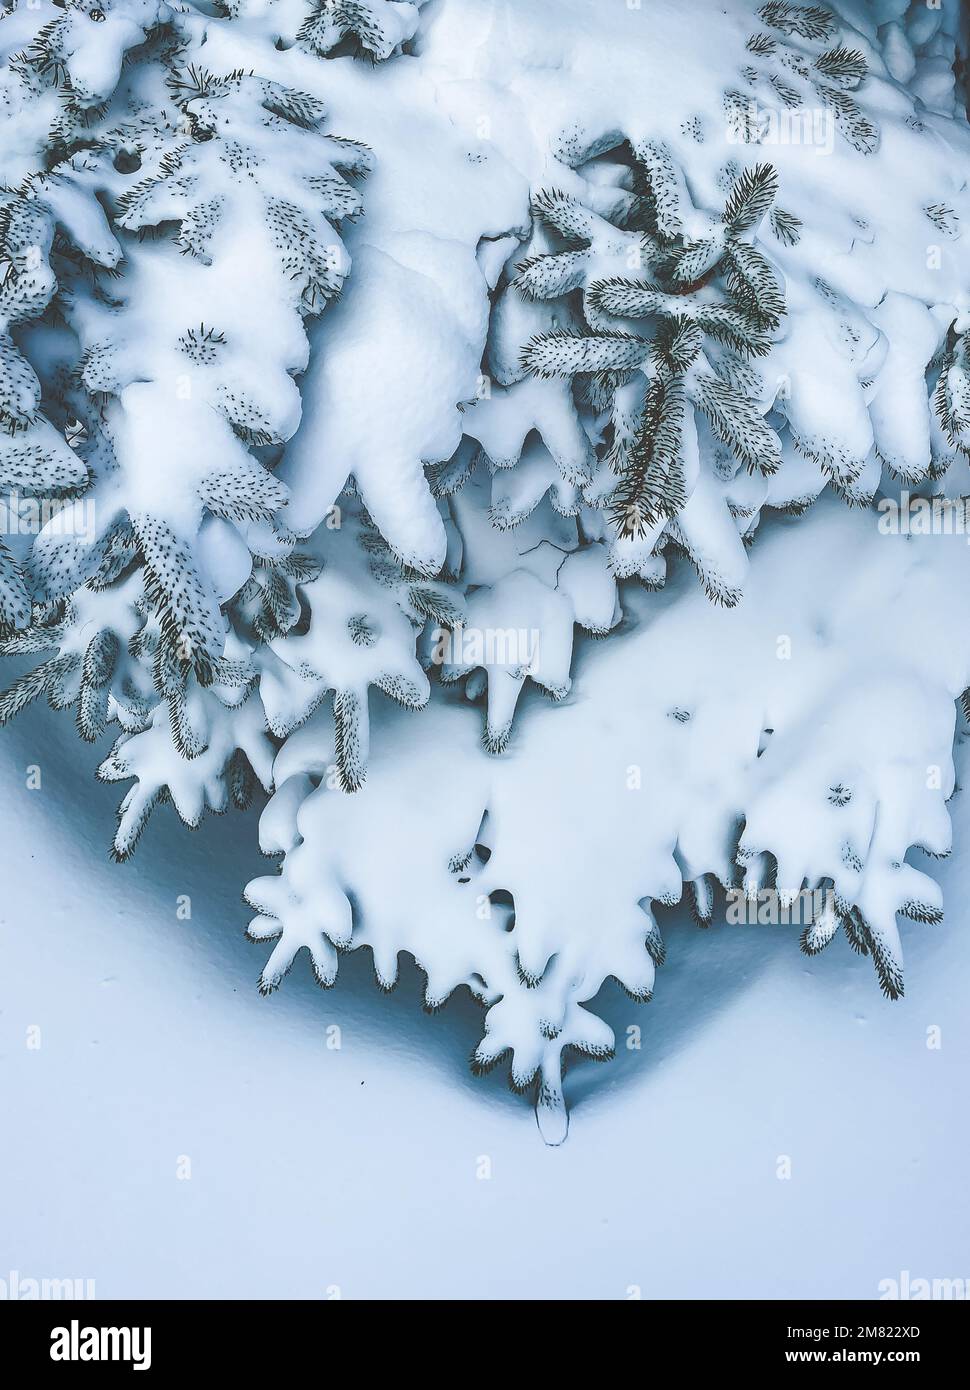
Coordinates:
(314, 1169)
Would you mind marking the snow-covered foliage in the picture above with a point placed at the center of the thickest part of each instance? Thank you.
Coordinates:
(701, 751)
(625, 287)
(184, 210)
(378, 27)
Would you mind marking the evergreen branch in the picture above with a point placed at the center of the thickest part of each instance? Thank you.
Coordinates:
(627, 299)
(750, 197)
(564, 213)
(809, 22)
(563, 353)
(842, 64)
(786, 226)
(737, 423)
(653, 486)
(677, 343)
(763, 45)
(42, 680)
(659, 185)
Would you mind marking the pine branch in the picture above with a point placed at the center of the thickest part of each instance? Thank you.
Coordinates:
(842, 65)
(750, 197)
(653, 486)
(809, 22)
(563, 353)
(737, 423)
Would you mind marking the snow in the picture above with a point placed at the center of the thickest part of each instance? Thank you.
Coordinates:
(439, 475)
(510, 80)
(801, 715)
(313, 1167)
